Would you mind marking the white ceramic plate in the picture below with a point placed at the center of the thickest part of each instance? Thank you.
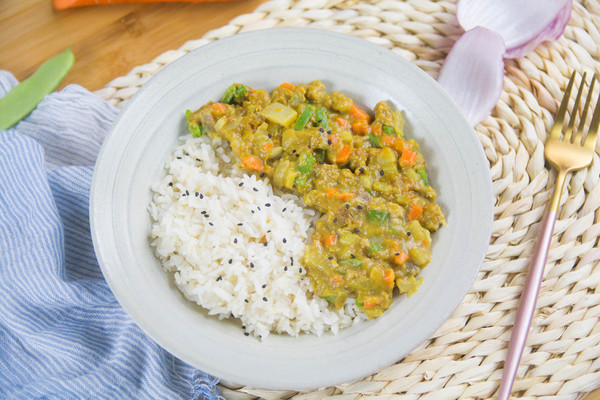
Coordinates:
(147, 131)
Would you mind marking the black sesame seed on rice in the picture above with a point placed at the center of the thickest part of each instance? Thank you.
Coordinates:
(211, 224)
(300, 270)
(170, 183)
(240, 224)
(284, 240)
(219, 278)
(264, 286)
(246, 334)
(264, 299)
(262, 174)
(255, 189)
(266, 244)
(187, 192)
(241, 184)
(230, 260)
(285, 268)
(201, 196)
(243, 326)
(251, 265)
(179, 158)
(284, 208)
(235, 240)
(267, 204)
(197, 194)
(245, 300)
(252, 211)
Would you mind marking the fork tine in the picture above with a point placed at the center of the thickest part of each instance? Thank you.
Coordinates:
(569, 131)
(560, 117)
(592, 135)
(586, 107)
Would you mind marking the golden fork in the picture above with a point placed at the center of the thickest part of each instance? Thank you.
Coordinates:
(569, 152)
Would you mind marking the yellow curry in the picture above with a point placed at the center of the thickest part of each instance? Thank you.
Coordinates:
(368, 181)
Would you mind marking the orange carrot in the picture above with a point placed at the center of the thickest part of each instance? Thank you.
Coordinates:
(253, 162)
(389, 277)
(415, 212)
(334, 139)
(344, 154)
(408, 157)
(288, 85)
(401, 258)
(267, 146)
(361, 127)
(330, 240)
(359, 114)
(64, 4)
(336, 194)
(343, 123)
(219, 107)
(388, 140)
(376, 129)
(401, 145)
(336, 280)
(371, 301)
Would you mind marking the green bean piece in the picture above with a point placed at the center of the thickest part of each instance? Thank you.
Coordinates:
(379, 217)
(23, 98)
(304, 117)
(375, 141)
(389, 130)
(321, 115)
(330, 299)
(240, 93)
(305, 163)
(423, 174)
(301, 180)
(194, 127)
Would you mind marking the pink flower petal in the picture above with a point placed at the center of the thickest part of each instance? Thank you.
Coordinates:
(473, 71)
(523, 24)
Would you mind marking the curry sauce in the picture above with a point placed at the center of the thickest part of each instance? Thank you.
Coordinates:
(356, 168)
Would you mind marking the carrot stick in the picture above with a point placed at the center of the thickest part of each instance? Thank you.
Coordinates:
(64, 4)
(336, 194)
(253, 162)
(389, 277)
(401, 258)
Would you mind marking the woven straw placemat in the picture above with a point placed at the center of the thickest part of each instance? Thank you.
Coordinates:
(464, 358)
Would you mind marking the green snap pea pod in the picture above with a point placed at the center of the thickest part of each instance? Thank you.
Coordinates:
(23, 98)
(301, 180)
(352, 262)
(321, 115)
(304, 117)
(229, 93)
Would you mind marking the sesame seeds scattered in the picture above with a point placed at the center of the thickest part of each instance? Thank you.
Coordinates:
(408, 233)
(179, 158)
(246, 334)
(252, 211)
(330, 257)
(197, 194)
(187, 192)
(270, 136)
(359, 207)
(356, 230)
(361, 169)
(262, 174)
(246, 301)
(335, 220)
(235, 240)
(203, 212)
(329, 132)
(328, 141)
(397, 254)
(255, 189)
(264, 286)
(284, 208)
(300, 270)
(170, 183)
(251, 265)
(381, 172)
(199, 160)
(206, 215)
(294, 151)
(285, 268)
(352, 255)
(284, 240)
(230, 260)
(219, 278)
(240, 224)
(265, 244)
(211, 224)
(321, 130)
(267, 204)
(292, 260)
(347, 206)
(241, 184)
(201, 196)
(264, 299)
(243, 326)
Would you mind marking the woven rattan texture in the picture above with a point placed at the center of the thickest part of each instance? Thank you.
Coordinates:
(464, 358)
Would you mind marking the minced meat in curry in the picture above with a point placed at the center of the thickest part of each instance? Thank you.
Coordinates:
(357, 169)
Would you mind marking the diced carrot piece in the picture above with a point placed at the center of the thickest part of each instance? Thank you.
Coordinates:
(408, 157)
(344, 154)
(253, 162)
(401, 258)
(359, 114)
(219, 107)
(267, 146)
(336, 280)
(376, 129)
(330, 240)
(336, 194)
(388, 140)
(361, 127)
(415, 212)
(389, 278)
(343, 123)
(401, 145)
(288, 85)
(371, 301)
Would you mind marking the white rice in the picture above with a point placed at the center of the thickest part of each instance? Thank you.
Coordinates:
(226, 267)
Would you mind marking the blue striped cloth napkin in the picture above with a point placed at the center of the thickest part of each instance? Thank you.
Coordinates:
(62, 333)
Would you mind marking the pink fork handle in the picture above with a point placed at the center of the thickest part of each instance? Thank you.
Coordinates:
(527, 306)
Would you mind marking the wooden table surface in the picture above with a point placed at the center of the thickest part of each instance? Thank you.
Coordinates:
(108, 41)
